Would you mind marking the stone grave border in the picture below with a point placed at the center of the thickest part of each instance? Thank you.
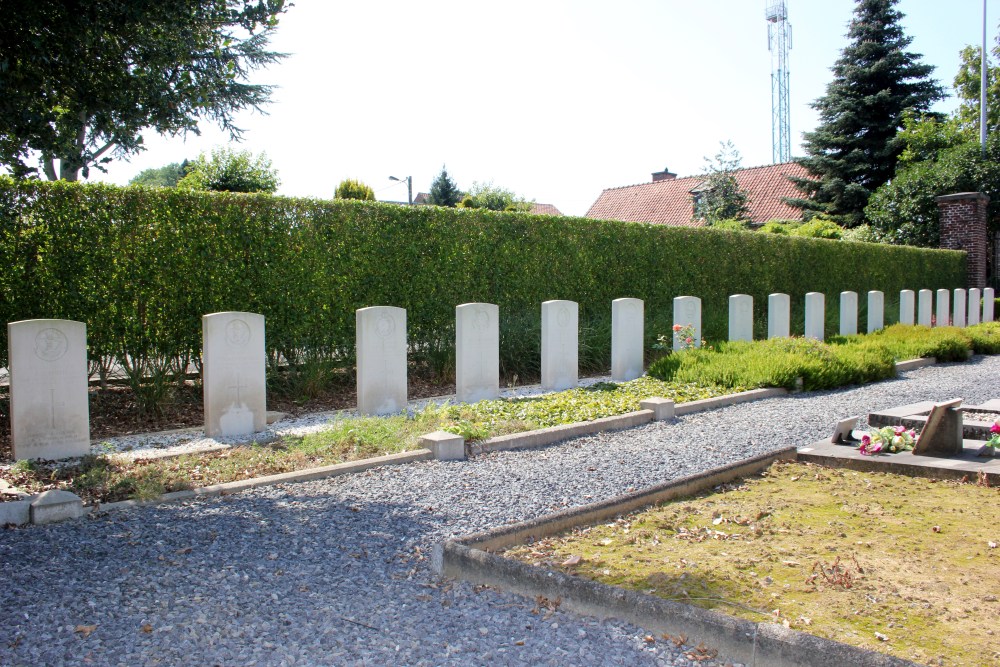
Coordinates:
(470, 558)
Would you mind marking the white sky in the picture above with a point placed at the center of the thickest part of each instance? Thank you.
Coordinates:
(554, 99)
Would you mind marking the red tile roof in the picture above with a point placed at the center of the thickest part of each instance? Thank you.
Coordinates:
(544, 209)
(669, 202)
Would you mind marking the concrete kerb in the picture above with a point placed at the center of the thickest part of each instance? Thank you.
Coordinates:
(469, 558)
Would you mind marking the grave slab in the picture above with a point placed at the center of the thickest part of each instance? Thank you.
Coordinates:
(906, 306)
(560, 344)
(477, 352)
(876, 311)
(15, 512)
(627, 330)
(55, 505)
(848, 313)
(741, 317)
(49, 409)
(687, 313)
(815, 315)
(958, 316)
(381, 351)
(778, 315)
(943, 313)
(988, 304)
(975, 297)
(233, 374)
(925, 308)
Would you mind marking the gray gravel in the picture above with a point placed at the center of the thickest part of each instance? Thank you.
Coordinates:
(336, 571)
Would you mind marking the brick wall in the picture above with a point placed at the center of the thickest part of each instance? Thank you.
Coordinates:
(963, 227)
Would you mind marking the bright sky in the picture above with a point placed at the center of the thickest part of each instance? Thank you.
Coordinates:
(553, 99)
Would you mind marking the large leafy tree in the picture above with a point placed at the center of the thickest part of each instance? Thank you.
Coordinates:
(228, 170)
(80, 80)
(494, 198)
(720, 197)
(351, 188)
(444, 190)
(161, 177)
(876, 81)
(968, 88)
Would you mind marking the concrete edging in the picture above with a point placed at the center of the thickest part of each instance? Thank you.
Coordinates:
(547, 436)
(913, 364)
(469, 558)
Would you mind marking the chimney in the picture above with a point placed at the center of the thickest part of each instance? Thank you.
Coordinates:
(664, 175)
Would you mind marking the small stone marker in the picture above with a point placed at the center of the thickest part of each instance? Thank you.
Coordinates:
(848, 313)
(381, 346)
(55, 505)
(233, 375)
(49, 410)
(560, 344)
(842, 432)
(662, 408)
(741, 317)
(815, 315)
(943, 308)
(627, 330)
(906, 309)
(779, 315)
(989, 297)
(943, 432)
(477, 352)
(876, 311)
(445, 446)
(925, 308)
(687, 313)
(974, 298)
(958, 319)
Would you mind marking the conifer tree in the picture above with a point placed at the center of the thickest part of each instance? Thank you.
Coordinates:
(720, 197)
(444, 191)
(855, 147)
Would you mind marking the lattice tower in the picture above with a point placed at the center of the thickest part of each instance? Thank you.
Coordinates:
(779, 43)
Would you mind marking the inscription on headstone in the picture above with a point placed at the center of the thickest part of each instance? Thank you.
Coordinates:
(49, 411)
(848, 313)
(627, 328)
(815, 315)
(906, 307)
(687, 314)
(381, 351)
(233, 375)
(741, 317)
(560, 344)
(779, 315)
(477, 352)
(876, 311)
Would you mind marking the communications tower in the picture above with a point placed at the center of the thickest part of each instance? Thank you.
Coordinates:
(779, 43)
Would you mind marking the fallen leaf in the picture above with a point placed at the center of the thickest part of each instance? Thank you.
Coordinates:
(649, 639)
(805, 621)
(882, 638)
(717, 520)
(519, 643)
(185, 550)
(85, 630)
(936, 529)
(572, 560)
(147, 628)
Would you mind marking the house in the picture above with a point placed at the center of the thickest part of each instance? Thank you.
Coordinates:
(669, 200)
(536, 209)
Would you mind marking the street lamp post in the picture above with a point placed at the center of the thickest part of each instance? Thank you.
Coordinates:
(409, 187)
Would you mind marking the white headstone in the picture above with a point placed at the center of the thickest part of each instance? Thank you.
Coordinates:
(876, 310)
(477, 352)
(943, 314)
(906, 307)
(740, 317)
(989, 297)
(848, 313)
(627, 329)
(958, 319)
(687, 314)
(925, 309)
(779, 315)
(233, 376)
(815, 315)
(560, 344)
(49, 412)
(974, 297)
(381, 341)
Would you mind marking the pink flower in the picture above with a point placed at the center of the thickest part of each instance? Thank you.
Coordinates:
(995, 428)
(900, 430)
(689, 340)
(866, 440)
(677, 327)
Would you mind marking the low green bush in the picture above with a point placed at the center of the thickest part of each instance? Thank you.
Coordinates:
(985, 337)
(912, 342)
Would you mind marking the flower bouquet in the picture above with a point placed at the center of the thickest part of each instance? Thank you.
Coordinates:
(889, 439)
(994, 442)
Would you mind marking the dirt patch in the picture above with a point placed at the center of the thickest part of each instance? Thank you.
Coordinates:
(901, 565)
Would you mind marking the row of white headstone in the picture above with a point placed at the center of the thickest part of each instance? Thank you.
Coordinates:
(48, 358)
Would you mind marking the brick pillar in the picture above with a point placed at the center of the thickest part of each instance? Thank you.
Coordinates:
(963, 227)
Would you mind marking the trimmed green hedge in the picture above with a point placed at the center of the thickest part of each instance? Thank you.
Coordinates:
(141, 266)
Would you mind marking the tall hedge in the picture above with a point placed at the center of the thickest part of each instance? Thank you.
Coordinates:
(141, 266)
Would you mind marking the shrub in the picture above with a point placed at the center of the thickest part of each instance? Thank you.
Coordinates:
(775, 227)
(731, 224)
(985, 337)
(352, 189)
(819, 229)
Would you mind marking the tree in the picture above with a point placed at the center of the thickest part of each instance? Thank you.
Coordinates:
(494, 198)
(228, 170)
(720, 197)
(166, 176)
(968, 87)
(855, 147)
(80, 81)
(444, 191)
(353, 189)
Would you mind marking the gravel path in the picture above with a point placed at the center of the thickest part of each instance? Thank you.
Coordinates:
(336, 571)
